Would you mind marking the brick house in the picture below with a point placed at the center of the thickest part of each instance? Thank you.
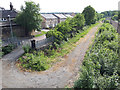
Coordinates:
(49, 21)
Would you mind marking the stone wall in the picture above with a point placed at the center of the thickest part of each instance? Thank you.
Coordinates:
(17, 31)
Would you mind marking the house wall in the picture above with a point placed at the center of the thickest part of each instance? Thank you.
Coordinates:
(47, 23)
(62, 19)
(43, 24)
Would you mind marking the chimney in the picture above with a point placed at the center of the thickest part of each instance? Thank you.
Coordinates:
(11, 6)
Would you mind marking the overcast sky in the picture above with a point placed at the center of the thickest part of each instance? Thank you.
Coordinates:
(65, 5)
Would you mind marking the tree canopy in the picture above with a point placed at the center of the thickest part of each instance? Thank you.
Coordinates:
(89, 14)
(29, 17)
(109, 13)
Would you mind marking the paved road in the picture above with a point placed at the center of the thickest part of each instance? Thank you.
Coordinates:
(61, 74)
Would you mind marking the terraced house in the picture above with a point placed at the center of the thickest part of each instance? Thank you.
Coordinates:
(68, 15)
(49, 21)
(60, 17)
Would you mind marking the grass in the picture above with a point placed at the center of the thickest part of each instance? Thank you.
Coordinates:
(63, 49)
(42, 33)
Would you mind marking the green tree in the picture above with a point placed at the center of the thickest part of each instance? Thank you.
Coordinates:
(64, 28)
(79, 21)
(89, 14)
(115, 17)
(29, 17)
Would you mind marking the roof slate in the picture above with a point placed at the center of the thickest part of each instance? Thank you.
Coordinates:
(48, 16)
(60, 16)
(5, 13)
(68, 15)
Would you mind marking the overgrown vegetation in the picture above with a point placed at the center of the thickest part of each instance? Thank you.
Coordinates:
(67, 29)
(7, 49)
(65, 35)
(114, 15)
(45, 58)
(101, 66)
(109, 13)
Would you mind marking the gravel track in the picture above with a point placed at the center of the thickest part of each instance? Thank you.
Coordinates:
(61, 74)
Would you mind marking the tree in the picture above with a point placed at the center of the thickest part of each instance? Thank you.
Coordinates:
(89, 14)
(29, 17)
(115, 17)
(64, 28)
(79, 21)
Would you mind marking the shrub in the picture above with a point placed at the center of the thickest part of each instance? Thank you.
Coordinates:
(7, 49)
(26, 48)
(58, 36)
(101, 63)
(101, 29)
(85, 80)
(64, 27)
(106, 35)
(34, 62)
(79, 21)
(106, 21)
(49, 33)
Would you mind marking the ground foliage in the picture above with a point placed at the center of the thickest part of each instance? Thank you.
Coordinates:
(101, 66)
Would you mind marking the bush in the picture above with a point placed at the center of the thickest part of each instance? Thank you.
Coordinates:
(101, 29)
(34, 62)
(58, 36)
(26, 48)
(64, 27)
(101, 63)
(106, 21)
(67, 29)
(49, 33)
(7, 49)
(106, 35)
(79, 21)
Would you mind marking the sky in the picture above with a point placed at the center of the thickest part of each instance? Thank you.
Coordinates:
(65, 5)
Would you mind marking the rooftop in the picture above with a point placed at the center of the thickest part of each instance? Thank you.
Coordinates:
(5, 13)
(68, 15)
(48, 16)
(60, 15)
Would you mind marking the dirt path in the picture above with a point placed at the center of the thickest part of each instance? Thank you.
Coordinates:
(62, 74)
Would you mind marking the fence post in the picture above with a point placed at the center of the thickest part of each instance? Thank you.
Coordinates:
(33, 46)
